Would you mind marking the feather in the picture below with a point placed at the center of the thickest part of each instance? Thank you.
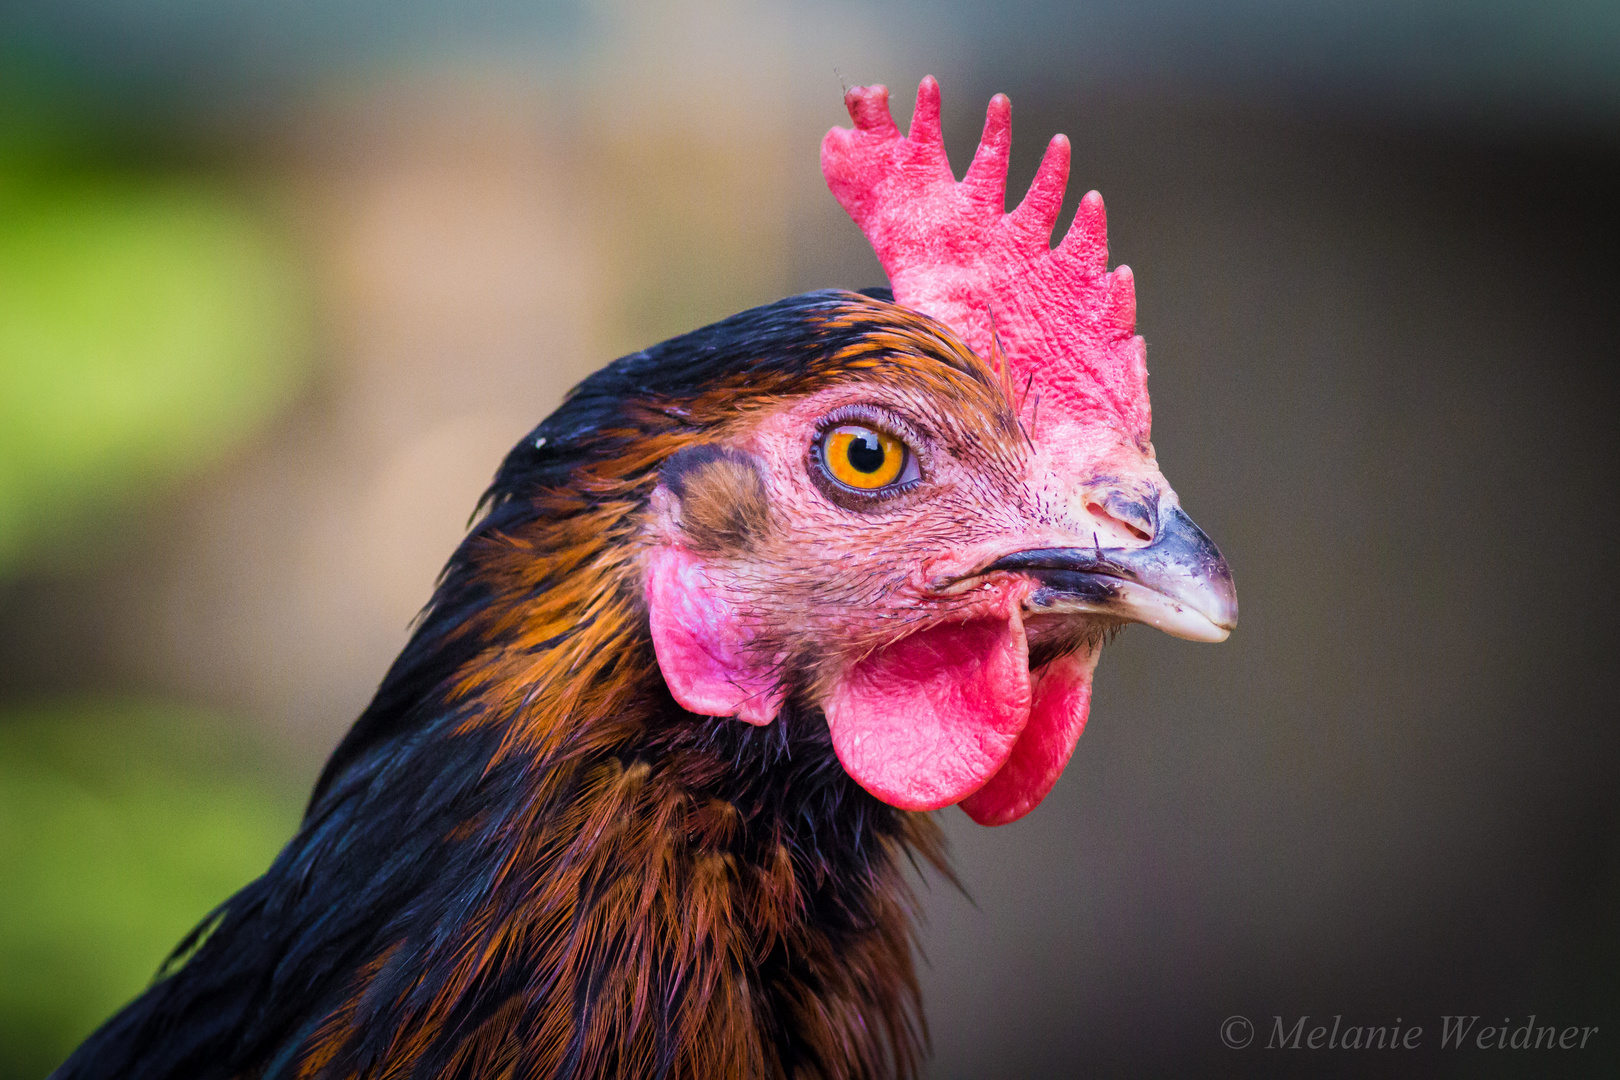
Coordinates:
(525, 858)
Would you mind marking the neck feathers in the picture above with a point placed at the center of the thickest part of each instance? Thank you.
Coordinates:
(650, 893)
(525, 858)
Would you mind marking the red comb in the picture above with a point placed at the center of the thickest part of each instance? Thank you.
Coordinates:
(1065, 324)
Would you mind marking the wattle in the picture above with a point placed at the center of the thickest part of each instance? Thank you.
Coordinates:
(1061, 702)
(924, 722)
(952, 714)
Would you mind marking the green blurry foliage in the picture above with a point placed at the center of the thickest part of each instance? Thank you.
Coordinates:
(149, 322)
(121, 825)
(152, 320)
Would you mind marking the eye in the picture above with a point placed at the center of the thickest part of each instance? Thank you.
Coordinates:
(866, 459)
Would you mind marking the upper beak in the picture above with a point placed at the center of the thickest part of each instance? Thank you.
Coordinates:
(1178, 583)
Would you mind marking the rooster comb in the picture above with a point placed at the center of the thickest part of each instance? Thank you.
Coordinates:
(1065, 323)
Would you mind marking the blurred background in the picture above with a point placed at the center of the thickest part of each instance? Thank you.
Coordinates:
(280, 282)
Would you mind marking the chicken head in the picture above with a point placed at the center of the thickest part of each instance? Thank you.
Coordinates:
(931, 538)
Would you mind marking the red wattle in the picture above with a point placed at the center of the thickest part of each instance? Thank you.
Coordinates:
(926, 721)
(1062, 698)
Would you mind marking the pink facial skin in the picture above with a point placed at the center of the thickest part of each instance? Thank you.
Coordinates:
(926, 687)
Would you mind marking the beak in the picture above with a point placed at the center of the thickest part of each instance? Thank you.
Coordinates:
(1178, 583)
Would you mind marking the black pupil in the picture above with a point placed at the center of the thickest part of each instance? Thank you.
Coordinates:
(866, 453)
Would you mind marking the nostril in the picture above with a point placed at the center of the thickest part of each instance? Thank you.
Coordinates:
(1117, 519)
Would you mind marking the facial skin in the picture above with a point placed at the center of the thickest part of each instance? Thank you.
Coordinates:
(937, 671)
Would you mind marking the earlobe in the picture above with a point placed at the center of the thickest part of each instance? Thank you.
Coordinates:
(702, 642)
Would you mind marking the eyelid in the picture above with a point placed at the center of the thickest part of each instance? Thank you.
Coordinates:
(917, 439)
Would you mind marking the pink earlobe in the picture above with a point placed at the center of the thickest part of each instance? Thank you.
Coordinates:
(702, 643)
(925, 721)
(1062, 699)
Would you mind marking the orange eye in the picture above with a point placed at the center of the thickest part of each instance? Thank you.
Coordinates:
(864, 459)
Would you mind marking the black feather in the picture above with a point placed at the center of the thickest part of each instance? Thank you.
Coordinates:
(375, 860)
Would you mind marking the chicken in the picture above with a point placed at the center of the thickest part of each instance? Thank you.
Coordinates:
(636, 797)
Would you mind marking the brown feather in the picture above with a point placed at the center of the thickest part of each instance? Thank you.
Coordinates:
(646, 940)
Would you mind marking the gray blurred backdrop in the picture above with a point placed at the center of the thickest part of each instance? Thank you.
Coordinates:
(1375, 248)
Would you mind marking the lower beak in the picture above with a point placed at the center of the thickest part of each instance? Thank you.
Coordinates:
(1179, 583)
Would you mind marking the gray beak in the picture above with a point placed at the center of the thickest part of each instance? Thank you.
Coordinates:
(1179, 583)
